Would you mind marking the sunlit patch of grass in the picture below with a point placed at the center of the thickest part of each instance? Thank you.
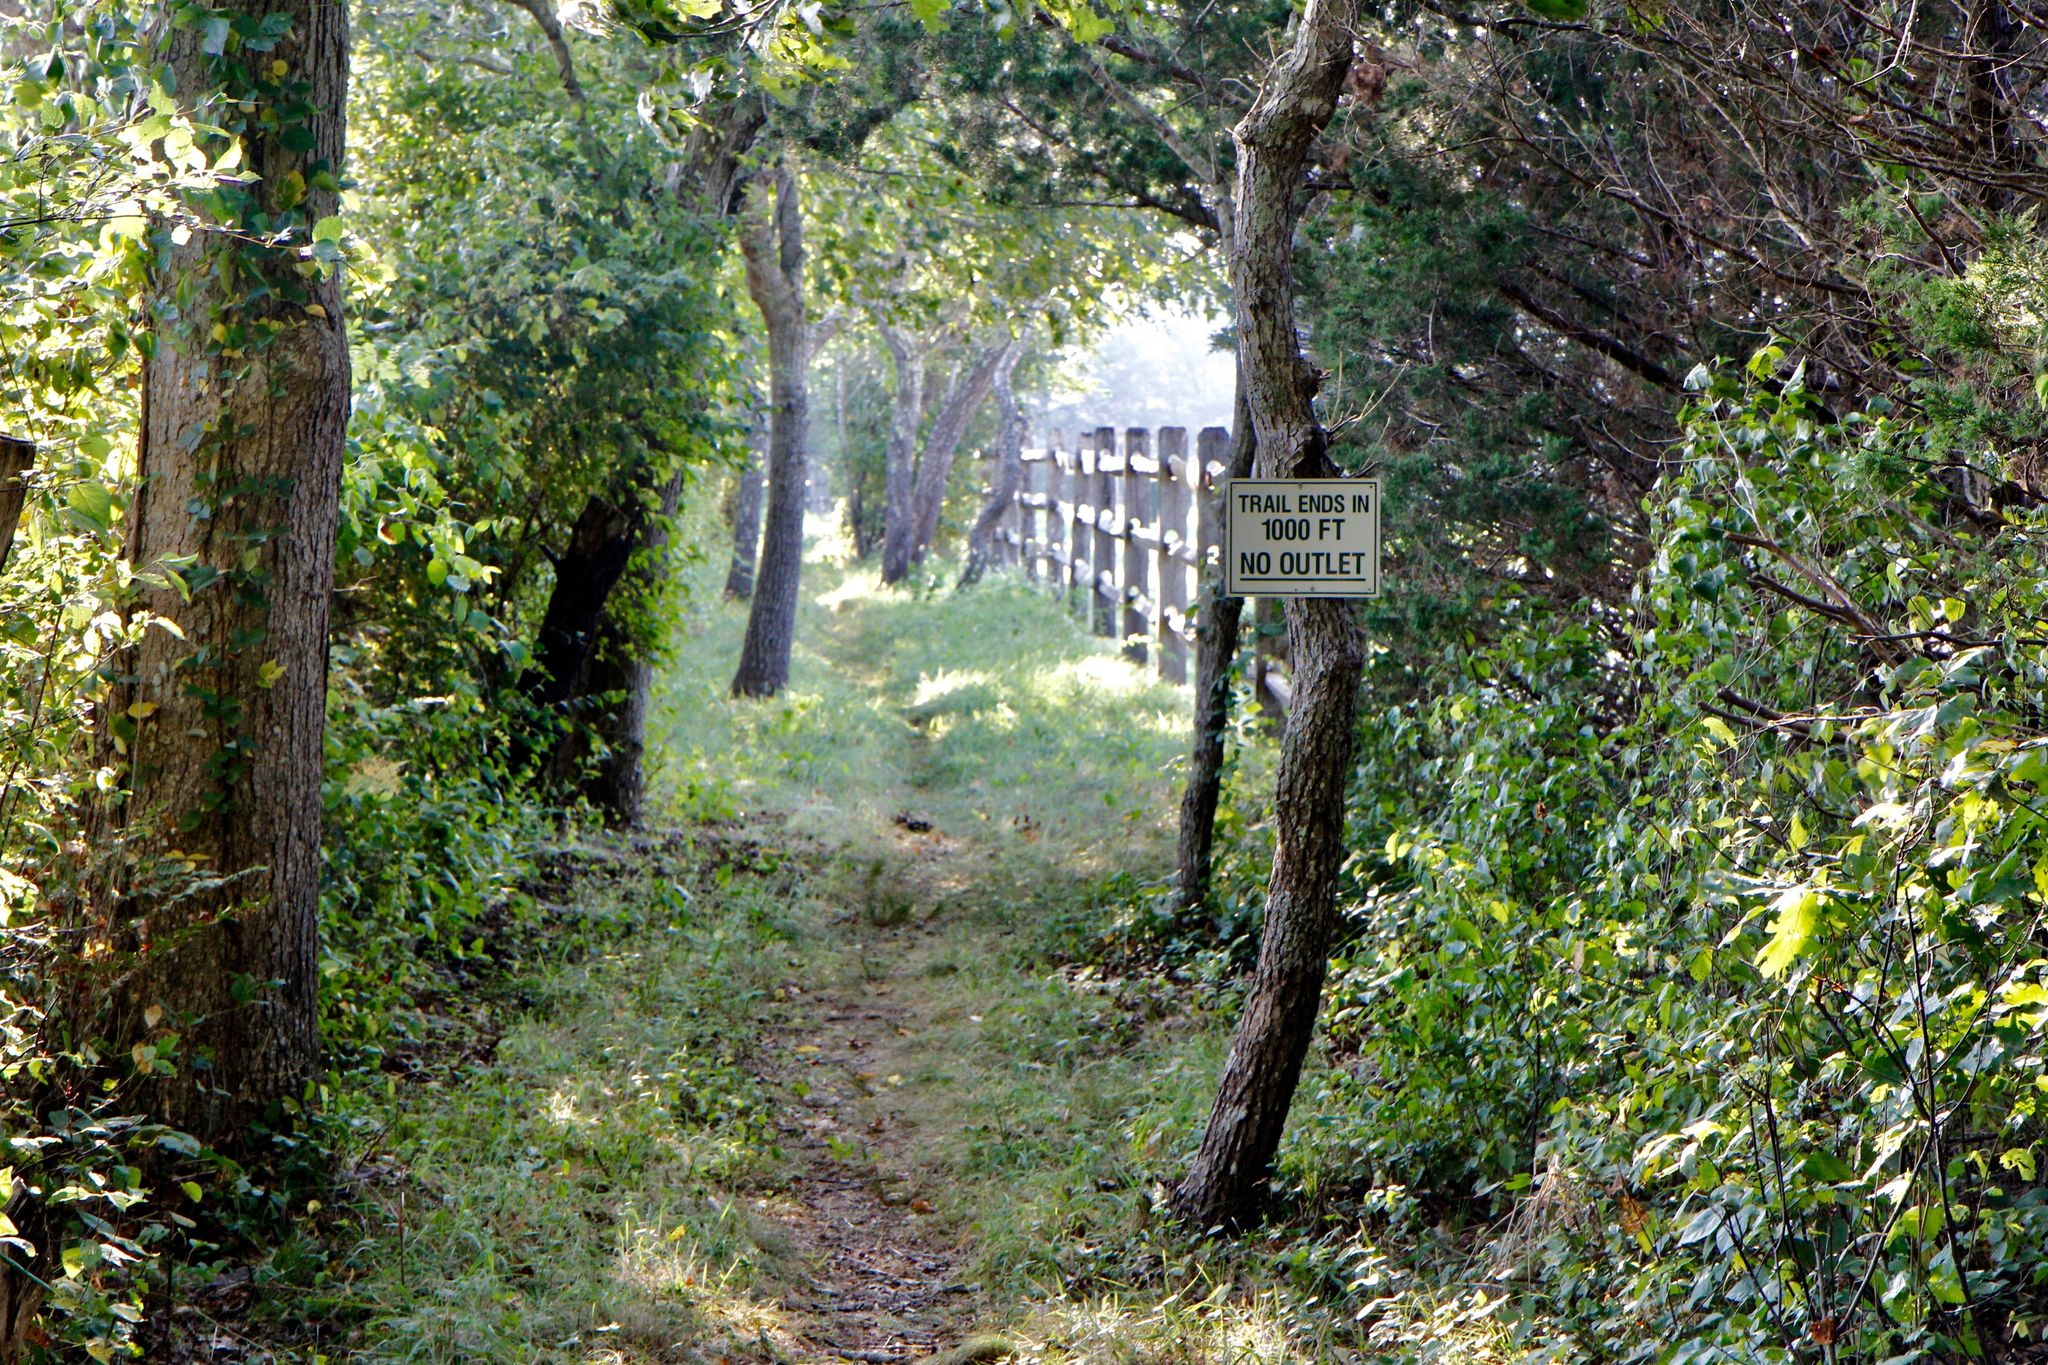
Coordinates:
(1029, 729)
(1201, 1324)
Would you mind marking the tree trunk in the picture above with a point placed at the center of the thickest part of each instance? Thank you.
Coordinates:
(899, 534)
(600, 543)
(1227, 1182)
(17, 458)
(1009, 470)
(218, 729)
(746, 524)
(621, 671)
(1216, 635)
(772, 240)
(963, 396)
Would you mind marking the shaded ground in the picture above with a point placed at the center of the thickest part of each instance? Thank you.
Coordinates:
(836, 1099)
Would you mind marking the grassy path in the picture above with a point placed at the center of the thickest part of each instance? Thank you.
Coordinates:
(962, 812)
(841, 1095)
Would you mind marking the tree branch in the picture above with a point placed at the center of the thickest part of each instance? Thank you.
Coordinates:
(544, 15)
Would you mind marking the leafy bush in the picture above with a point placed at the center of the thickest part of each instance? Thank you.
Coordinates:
(1710, 949)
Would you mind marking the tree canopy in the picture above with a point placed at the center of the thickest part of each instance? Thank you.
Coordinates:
(578, 775)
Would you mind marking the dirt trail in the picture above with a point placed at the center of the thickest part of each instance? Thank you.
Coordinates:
(888, 1287)
(888, 1279)
(926, 815)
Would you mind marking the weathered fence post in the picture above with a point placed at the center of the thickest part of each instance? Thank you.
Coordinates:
(1102, 561)
(1172, 522)
(1081, 530)
(1067, 489)
(17, 457)
(1027, 515)
(1137, 484)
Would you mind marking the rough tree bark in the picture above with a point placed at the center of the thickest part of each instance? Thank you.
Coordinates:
(216, 730)
(219, 733)
(1227, 1180)
(1216, 635)
(1009, 467)
(746, 522)
(964, 395)
(772, 240)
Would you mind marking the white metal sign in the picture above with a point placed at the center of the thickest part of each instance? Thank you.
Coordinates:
(1301, 537)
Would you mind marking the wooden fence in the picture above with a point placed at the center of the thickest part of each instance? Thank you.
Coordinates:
(1124, 530)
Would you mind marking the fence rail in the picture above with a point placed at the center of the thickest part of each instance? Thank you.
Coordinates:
(1124, 530)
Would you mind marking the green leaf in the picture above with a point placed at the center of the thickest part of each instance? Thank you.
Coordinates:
(1828, 1168)
(1564, 11)
(1798, 915)
(93, 504)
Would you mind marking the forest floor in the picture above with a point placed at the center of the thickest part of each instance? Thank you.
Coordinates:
(851, 1088)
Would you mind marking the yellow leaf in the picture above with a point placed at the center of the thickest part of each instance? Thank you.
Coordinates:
(142, 710)
(1798, 916)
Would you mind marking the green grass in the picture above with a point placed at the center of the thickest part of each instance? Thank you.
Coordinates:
(572, 1201)
(990, 712)
(603, 1190)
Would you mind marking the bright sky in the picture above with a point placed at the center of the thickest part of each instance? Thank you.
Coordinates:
(1153, 371)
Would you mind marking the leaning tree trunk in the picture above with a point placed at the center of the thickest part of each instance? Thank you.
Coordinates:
(218, 726)
(1216, 635)
(1227, 1181)
(620, 676)
(746, 524)
(899, 535)
(963, 396)
(1009, 472)
(772, 240)
(588, 568)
